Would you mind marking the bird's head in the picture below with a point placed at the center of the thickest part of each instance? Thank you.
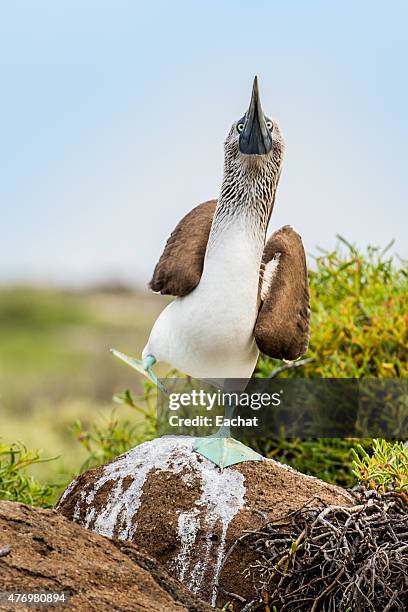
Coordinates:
(254, 147)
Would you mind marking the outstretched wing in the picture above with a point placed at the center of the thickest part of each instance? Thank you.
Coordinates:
(179, 269)
(282, 326)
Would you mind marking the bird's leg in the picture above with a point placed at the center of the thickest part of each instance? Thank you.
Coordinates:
(223, 450)
(143, 366)
(225, 429)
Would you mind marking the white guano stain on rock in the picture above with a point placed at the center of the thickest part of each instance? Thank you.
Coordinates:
(188, 525)
(222, 496)
(67, 491)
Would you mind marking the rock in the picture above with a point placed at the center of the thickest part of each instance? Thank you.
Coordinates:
(186, 512)
(45, 552)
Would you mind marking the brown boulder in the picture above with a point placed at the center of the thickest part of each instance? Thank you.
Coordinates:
(186, 512)
(41, 551)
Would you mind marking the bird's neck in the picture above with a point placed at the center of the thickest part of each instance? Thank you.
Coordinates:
(237, 238)
(231, 265)
(243, 207)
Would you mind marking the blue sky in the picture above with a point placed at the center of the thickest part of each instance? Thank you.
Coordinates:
(113, 117)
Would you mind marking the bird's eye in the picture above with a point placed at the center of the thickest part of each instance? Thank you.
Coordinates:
(269, 125)
(240, 127)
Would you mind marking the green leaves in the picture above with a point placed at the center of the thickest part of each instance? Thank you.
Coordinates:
(359, 324)
(15, 483)
(117, 435)
(359, 329)
(384, 469)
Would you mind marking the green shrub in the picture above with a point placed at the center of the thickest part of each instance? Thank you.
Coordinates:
(105, 443)
(15, 484)
(384, 469)
(359, 320)
(102, 443)
(326, 458)
(359, 328)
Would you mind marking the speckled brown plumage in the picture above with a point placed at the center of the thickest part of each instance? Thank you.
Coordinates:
(282, 327)
(179, 269)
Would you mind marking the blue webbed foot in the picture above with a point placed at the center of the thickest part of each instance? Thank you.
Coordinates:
(225, 451)
(143, 366)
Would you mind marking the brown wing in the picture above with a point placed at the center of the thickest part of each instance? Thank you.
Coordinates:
(282, 326)
(179, 269)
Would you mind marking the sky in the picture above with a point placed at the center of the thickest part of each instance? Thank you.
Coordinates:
(113, 116)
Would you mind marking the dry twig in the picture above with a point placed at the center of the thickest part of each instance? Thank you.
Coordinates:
(333, 559)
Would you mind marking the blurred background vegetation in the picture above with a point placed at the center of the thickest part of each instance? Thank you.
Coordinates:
(55, 365)
(57, 379)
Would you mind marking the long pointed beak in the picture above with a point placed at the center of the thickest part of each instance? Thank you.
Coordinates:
(255, 138)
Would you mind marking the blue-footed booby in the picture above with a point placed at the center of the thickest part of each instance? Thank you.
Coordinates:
(235, 293)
